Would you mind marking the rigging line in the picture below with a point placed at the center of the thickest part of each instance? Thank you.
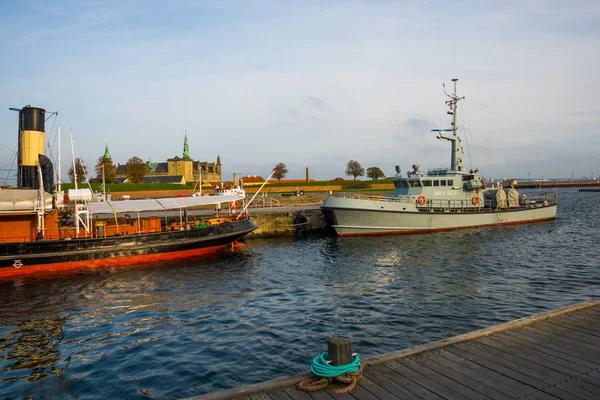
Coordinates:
(87, 179)
(12, 163)
(469, 135)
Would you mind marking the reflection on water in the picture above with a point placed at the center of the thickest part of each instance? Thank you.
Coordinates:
(31, 351)
(183, 328)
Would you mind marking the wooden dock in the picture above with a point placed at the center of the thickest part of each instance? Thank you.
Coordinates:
(551, 355)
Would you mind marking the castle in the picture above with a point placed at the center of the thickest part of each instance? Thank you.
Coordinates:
(176, 170)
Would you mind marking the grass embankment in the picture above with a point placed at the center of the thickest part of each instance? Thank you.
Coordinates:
(280, 186)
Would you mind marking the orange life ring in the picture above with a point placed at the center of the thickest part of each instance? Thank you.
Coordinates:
(233, 204)
(421, 200)
(475, 200)
(483, 185)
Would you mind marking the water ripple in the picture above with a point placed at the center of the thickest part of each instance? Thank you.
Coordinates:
(178, 329)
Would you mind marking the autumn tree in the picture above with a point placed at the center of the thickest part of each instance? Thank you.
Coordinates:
(375, 173)
(280, 171)
(109, 169)
(81, 171)
(136, 169)
(354, 169)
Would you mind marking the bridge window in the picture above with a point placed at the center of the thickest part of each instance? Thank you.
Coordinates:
(436, 183)
(426, 182)
(443, 182)
(450, 182)
(400, 184)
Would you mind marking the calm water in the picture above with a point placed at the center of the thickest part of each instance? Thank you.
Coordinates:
(178, 329)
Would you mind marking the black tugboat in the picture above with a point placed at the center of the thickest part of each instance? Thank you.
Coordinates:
(33, 238)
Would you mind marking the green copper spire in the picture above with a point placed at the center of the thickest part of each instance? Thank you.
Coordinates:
(106, 152)
(186, 148)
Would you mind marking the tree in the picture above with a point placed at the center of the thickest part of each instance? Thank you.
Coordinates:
(81, 171)
(136, 169)
(354, 169)
(280, 171)
(109, 169)
(375, 173)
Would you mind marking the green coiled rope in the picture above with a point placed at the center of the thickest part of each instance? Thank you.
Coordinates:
(319, 367)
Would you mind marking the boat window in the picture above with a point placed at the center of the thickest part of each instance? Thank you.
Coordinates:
(436, 183)
(443, 182)
(468, 177)
(426, 182)
(401, 184)
(450, 182)
(414, 183)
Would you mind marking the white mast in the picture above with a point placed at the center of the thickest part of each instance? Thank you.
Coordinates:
(59, 180)
(73, 158)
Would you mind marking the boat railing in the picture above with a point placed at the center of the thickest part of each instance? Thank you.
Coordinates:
(459, 206)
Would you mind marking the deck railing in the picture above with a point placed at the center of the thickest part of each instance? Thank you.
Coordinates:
(460, 206)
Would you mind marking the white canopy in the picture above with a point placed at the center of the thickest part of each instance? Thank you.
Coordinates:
(23, 200)
(167, 203)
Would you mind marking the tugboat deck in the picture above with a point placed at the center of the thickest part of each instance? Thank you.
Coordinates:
(551, 355)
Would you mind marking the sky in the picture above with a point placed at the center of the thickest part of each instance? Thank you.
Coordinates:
(312, 84)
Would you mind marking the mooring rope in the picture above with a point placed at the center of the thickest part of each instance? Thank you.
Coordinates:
(325, 373)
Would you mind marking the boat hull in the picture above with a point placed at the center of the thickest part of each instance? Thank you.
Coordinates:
(358, 217)
(55, 255)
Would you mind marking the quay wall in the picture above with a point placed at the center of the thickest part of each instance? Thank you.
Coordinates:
(299, 221)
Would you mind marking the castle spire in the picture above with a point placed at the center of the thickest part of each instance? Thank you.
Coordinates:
(186, 148)
(106, 152)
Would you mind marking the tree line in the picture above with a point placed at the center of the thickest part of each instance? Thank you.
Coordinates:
(136, 170)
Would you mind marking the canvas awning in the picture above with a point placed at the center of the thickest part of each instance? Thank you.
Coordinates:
(167, 203)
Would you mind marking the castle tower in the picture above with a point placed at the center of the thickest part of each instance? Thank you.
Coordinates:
(106, 152)
(186, 147)
(218, 165)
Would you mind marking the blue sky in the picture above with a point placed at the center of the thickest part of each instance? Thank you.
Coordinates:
(309, 83)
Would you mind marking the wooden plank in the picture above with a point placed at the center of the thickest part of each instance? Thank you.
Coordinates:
(520, 375)
(590, 341)
(377, 390)
(259, 396)
(358, 393)
(279, 394)
(423, 381)
(569, 343)
(503, 359)
(517, 358)
(557, 360)
(382, 376)
(574, 356)
(567, 323)
(295, 393)
(487, 376)
(442, 380)
(462, 375)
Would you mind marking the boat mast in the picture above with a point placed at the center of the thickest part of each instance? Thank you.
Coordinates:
(59, 180)
(456, 163)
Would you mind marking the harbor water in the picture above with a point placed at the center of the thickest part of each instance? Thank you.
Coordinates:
(176, 329)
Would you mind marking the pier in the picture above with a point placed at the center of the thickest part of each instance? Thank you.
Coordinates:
(550, 355)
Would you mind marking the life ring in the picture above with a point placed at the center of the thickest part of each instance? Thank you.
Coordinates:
(475, 200)
(483, 185)
(233, 205)
(421, 200)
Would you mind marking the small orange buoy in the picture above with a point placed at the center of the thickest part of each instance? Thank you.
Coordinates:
(421, 200)
(475, 200)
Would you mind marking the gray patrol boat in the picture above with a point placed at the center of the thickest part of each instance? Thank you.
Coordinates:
(440, 200)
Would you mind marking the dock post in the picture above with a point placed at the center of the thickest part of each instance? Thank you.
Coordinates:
(339, 350)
